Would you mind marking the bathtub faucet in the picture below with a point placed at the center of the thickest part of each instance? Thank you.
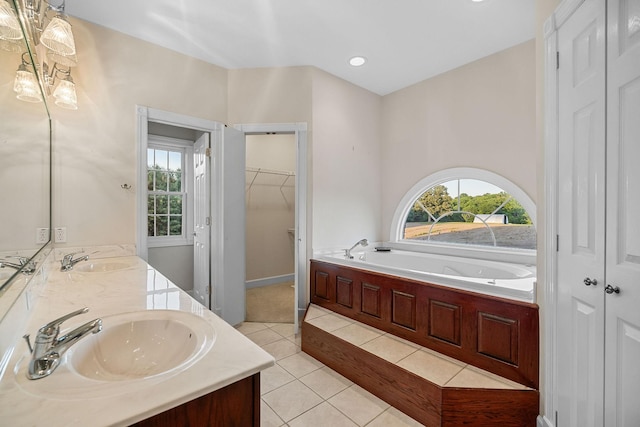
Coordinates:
(347, 252)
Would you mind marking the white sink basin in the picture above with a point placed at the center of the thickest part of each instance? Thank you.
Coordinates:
(133, 351)
(102, 266)
(141, 345)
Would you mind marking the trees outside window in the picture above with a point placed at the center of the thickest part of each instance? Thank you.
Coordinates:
(168, 183)
(471, 212)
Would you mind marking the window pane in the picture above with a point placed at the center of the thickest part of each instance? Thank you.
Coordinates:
(151, 204)
(150, 180)
(161, 181)
(150, 158)
(151, 226)
(175, 225)
(472, 212)
(175, 161)
(175, 205)
(161, 159)
(161, 226)
(175, 181)
(161, 204)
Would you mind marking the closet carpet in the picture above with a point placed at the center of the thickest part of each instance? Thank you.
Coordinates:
(271, 304)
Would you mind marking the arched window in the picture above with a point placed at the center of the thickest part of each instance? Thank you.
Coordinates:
(466, 207)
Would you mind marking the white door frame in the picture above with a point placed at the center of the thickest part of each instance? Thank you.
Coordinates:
(144, 115)
(300, 239)
(548, 270)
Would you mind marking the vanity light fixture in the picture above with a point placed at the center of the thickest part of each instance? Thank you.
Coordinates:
(58, 36)
(65, 94)
(47, 26)
(357, 61)
(9, 25)
(26, 85)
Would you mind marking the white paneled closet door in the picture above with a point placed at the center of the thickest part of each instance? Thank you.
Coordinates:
(581, 216)
(622, 322)
(598, 256)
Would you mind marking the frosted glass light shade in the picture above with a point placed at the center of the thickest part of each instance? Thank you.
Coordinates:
(66, 60)
(13, 46)
(9, 26)
(65, 94)
(58, 36)
(26, 86)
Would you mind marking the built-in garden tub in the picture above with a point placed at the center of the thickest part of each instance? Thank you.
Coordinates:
(501, 279)
(478, 312)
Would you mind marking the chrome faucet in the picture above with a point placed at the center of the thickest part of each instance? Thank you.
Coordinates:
(68, 262)
(48, 348)
(347, 252)
(28, 267)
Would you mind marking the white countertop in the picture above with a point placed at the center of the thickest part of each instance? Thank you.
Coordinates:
(45, 401)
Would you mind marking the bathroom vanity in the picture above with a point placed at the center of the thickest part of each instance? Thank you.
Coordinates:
(186, 366)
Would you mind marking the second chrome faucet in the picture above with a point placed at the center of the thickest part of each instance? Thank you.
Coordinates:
(68, 261)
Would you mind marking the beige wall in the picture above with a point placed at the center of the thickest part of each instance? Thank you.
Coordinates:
(343, 145)
(95, 148)
(270, 206)
(270, 95)
(347, 147)
(175, 262)
(480, 115)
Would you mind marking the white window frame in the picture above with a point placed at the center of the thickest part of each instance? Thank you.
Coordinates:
(186, 146)
(516, 255)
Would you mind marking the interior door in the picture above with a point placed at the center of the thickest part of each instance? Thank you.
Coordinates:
(622, 335)
(230, 262)
(201, 222)
(581, 216)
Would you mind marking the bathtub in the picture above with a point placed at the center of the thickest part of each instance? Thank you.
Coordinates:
(506, 280)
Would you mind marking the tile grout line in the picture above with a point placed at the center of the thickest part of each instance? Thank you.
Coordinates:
(292, 339)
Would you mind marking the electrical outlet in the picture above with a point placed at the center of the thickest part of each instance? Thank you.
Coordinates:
(61, 234)
(42, 235)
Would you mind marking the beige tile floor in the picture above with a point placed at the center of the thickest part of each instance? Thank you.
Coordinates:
(299, 391)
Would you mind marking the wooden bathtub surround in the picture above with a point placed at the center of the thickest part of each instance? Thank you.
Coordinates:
(494, 334)
(425, 401)
(497, 335)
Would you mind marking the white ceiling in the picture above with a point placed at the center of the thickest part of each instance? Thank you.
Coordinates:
(405, 41)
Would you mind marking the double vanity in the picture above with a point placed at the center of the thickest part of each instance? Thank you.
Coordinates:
(159, 357)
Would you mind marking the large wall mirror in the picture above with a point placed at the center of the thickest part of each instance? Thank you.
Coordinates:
(25, 158)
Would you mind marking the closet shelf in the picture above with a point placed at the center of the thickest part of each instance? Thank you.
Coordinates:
(258, 171)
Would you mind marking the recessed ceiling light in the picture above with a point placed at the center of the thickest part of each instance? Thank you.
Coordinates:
(357, 61)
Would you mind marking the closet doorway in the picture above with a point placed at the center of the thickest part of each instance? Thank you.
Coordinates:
(270, 196)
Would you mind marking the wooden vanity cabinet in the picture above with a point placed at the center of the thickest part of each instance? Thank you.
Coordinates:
(236, 405)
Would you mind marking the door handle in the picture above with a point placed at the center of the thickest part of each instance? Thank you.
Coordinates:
(612, 290)
(589, 282)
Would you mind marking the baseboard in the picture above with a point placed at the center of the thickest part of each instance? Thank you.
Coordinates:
(542, 421)
(266, 281)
